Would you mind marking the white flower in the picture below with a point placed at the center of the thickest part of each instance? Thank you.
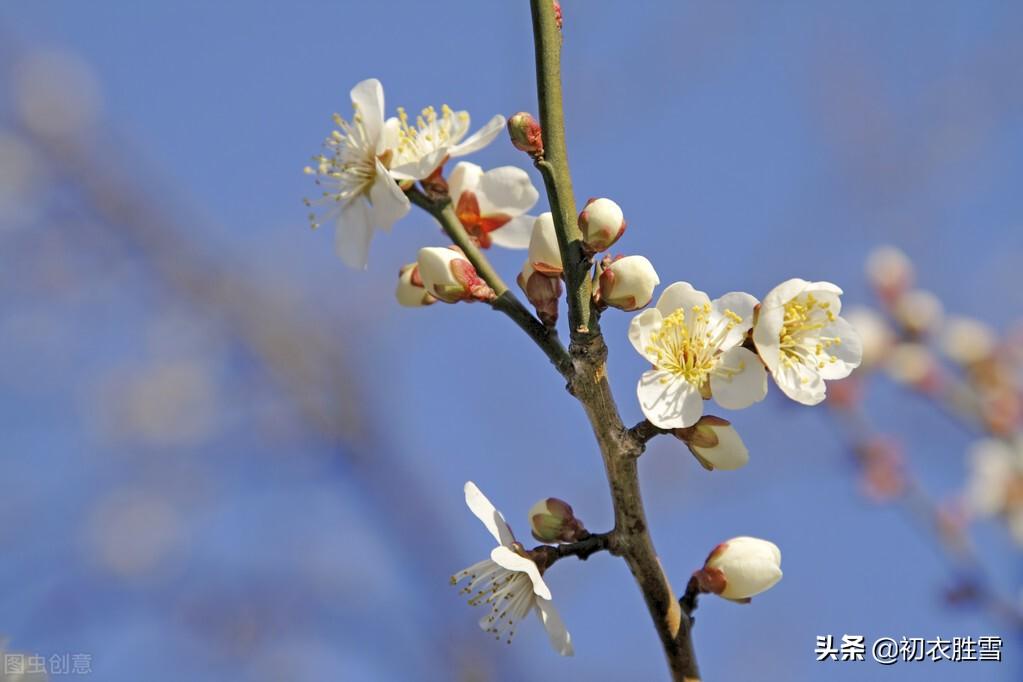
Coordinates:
(803, 341)
(508, 582)
(358, 189)
(627, 282)
(996, 471)
(424, 148)
(491, 205)
(695, 346)
(741, 568)
(544, 254)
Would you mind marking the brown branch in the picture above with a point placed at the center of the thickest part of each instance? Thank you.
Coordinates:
(644, 431)
(546, 555)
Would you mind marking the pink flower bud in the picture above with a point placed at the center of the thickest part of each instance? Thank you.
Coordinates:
(626, 282)
(450, 277)
(543, 291)
(715, 443)
(741, 568)
(411, 291)
(551, 520)
(602, 223)
(526, 134)
(544, 253)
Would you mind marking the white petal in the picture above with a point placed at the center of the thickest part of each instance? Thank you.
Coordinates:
(481, 138)
(515, 233)
(667, 400)
(741, 304)
(748, 383)
(506, 190)
(505, 558)
(767, 335)
(388, 201)
(555, 627)
(389, 135)
(784, 292)
(848, 352)
(800, 382)
(421, 167)
(465, 177)
(368, 100)
(486, 512)
(642, 326)
(353, 234)
(680, 295)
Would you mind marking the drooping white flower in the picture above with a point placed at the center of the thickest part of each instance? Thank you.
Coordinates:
(491, 205)
(509, 583)
(695, 347)
(359, 193)
(741, 568)
(803, 341)
(425, 147)
(715, 443)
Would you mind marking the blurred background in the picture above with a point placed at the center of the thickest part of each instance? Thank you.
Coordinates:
(227, 457)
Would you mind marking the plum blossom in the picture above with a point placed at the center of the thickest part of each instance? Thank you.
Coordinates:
(741, 568)
(803, 341)
(492, 205)
(509, 582)
(358, 191)
(424, 148)
(695, 346)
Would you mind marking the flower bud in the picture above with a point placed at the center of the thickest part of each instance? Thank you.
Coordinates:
(544, 253)
(875, 334)
(741, 568)
(626, 282)
(919, 311)
(542, 291)
(450, 277)
(411, 292)
(526, 134)
(915, 365)
(715, 443)
(889, 271)
(552, 520)
(967, 341)
(602, 223)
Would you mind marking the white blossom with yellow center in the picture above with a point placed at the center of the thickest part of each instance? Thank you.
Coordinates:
(424, 147)
(803, 341)
(359, 193)
(508, 583)
(695, 346)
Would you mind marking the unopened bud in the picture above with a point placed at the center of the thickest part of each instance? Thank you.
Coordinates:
(890, 272)
(602, 223)
(741, 568)
(544, 253)
(715, 443)
(543, 291)
(626, 282)
(526, 134)
(919, 311)
(968, 341)
(450, 277)
(875, 334)
(552, 520)
(915, 365)
(411, 291)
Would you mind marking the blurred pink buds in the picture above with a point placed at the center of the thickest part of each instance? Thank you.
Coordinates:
(602, 223)
(741, 568)
(625, 282)
(551, 520)
(543, 291)
(526, 134)
(890, 272)
(411, 291)
(450, 277)
(544, 253)
(715, 443)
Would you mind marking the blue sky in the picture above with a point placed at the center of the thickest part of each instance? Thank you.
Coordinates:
(746, 142)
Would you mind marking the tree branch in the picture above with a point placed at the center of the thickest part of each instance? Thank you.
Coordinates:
(506, 302)
(554, 167)
(644, 431)
(546, 555)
